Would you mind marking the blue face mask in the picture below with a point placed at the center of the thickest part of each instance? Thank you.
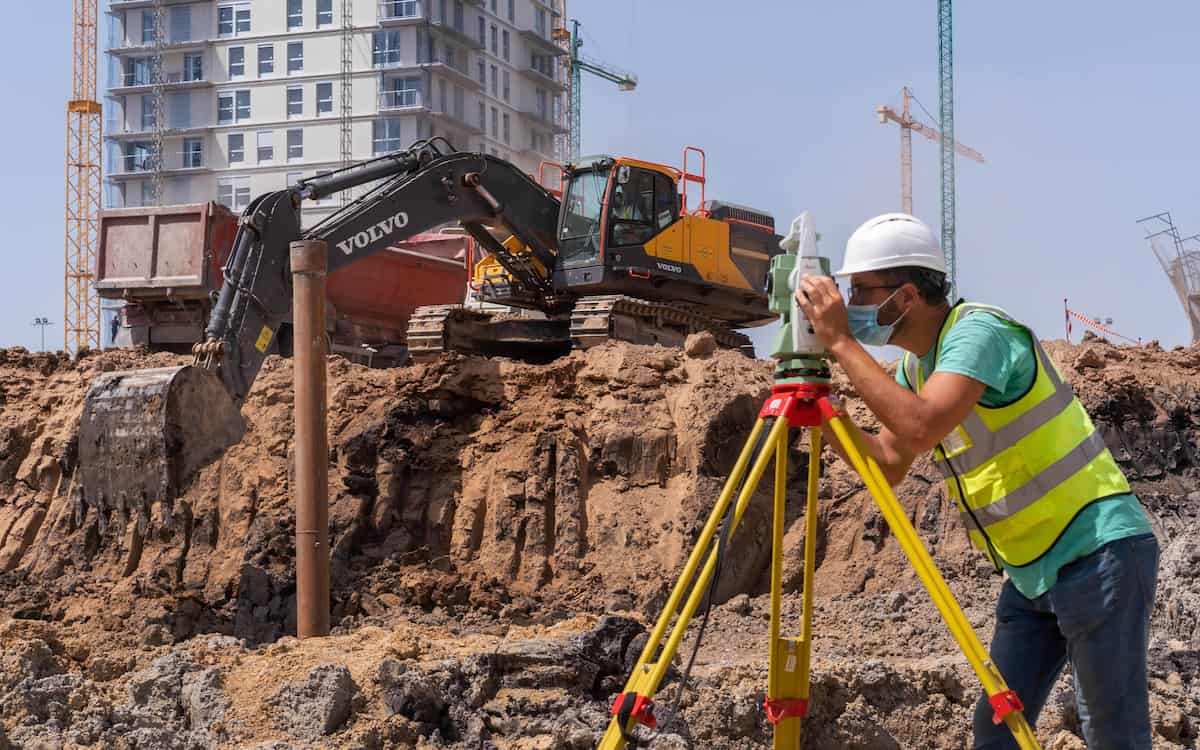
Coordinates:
(865, 325)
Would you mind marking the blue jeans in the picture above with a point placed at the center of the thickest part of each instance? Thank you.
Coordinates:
(1097, 614)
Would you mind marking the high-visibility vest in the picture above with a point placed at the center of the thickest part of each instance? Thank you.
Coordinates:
(1021, 472)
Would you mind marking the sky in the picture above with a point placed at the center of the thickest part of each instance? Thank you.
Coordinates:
(1085, 113)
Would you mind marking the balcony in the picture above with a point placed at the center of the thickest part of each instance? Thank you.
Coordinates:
(400, 12)
(544, 120)
(138, 47)
(121, 131)
(455, 33)
(116, 6)
(456, 121)
(455, 71)
(542, 78)
(131, 166)
(408, 100)
(543, 44)
(138, 82)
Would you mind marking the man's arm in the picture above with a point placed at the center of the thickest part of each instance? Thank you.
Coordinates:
(917, 422)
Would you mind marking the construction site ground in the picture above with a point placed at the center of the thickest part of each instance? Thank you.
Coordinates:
(500, 532)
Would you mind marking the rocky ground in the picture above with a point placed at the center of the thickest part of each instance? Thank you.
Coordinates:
(500, 532)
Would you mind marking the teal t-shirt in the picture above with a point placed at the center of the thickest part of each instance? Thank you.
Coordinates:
(1000, 355)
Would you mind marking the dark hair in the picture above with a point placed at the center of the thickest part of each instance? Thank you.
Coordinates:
(930, 284)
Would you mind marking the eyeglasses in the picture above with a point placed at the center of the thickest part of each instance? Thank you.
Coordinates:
(856, 291)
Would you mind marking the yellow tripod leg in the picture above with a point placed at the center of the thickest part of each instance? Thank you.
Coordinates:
(656, 657)
(943, 598)
(788, 676)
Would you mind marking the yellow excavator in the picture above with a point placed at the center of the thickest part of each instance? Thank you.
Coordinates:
(614, 252)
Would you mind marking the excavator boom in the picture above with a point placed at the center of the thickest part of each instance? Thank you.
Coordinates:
(145, 433)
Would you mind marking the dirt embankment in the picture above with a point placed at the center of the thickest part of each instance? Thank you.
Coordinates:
(484, 514)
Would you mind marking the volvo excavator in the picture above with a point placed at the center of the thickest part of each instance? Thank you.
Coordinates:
(619, 256)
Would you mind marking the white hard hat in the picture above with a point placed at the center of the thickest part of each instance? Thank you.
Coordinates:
(891, 241)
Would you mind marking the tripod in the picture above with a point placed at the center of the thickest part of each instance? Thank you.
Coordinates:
(804, 405)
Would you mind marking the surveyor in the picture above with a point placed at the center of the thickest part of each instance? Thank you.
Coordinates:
(1026, 469)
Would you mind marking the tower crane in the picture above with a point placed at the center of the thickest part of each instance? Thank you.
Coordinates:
(908, 124)
(946, 122)
(578, 65)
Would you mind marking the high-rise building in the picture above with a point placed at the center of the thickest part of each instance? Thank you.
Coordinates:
(250, 90)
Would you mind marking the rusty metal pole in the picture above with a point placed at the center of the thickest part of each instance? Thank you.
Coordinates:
(309, 265)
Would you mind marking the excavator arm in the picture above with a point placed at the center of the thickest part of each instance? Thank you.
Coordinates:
(422, 190)
(144, 433)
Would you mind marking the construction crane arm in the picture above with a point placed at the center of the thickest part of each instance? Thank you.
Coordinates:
(933, 135)
(625, 81)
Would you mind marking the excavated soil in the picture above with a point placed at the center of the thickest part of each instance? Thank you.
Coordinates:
(500, 532)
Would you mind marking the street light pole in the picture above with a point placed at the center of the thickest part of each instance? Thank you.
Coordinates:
(42, 323)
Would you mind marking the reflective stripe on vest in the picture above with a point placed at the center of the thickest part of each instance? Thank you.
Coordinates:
(1026, 468)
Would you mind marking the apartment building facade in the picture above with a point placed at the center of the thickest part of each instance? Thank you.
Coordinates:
(251, 90)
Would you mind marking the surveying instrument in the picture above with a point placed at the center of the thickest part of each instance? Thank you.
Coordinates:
(801, 397)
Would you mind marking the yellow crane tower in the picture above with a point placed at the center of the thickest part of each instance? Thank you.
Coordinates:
(81, 306)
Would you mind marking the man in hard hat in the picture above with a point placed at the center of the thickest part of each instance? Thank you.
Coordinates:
(1029, 474)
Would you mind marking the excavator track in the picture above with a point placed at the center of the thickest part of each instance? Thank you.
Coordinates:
(595, 320)
(435, 329)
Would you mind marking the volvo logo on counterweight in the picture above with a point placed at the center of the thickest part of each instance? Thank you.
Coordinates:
(373, 234)
(669, 267)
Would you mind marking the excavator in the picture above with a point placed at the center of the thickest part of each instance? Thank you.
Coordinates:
(619, 256)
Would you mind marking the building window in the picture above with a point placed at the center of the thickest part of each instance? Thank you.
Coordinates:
(324, 13)
(148, 112)
(494, 7)
(324, 98)
(403, 92)
(295, 53)
(539, 21)
(400, 8)
(193, 68)
(237, 148)
(295, 14)
(233, 19)
(442, 97)
(181, 24)
(540, 96)
(295, 101)
(507, 131)
(385, 47)
(193, 153)
(233, 106)
(292, 178)
(266, 149)
(458, 14)
(495, 36)
(385, 136)
(512, 10)
(495, 79)
(506, 45)
(295, 144)
(482, 117)
(147, 192)
(495, 123)
(507, 85)
(237, 62)
(482, 33)
(147, 27)
(234, 192)
(482, 73)
(266, 59)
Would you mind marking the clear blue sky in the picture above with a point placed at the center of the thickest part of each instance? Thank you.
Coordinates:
(1085, 112)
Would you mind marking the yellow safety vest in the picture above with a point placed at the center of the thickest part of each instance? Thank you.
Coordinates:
(1021, 472)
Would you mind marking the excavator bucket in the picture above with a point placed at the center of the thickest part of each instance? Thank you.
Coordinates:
(145, 433)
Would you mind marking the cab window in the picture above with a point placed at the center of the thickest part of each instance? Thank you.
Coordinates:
(632, 207)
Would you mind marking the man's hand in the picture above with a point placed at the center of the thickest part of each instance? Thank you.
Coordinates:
(822, 303)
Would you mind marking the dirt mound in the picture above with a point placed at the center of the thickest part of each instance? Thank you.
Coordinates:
(489, 507)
